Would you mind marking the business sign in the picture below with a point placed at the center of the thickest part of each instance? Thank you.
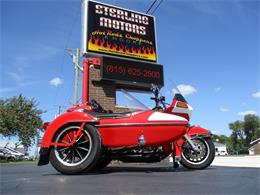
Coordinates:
(114, 31)
(128, 71)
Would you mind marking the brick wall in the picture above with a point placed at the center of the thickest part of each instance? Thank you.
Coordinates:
(103, 92)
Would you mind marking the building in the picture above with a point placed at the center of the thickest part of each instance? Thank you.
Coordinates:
(220, 149)
(254, 147)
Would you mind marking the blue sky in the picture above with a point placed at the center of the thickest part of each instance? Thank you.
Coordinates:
(210, 48)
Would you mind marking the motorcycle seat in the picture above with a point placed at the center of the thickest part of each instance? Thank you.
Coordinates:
(110, 115)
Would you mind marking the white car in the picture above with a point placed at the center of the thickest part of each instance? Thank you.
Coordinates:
(221, 153)
(14, 153)
(6, 155)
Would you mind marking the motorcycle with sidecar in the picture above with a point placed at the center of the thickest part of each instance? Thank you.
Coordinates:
(87, 138)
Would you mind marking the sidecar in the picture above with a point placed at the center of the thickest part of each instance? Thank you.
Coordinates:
(86, 138)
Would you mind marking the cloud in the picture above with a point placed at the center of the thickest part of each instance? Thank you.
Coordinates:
(20, 81)
(7, 89)
(17, 87)
(256, 94)
(16, 76)
(246, 112)
(217, 89)
(216, 132)
(185, 89)
(32, 54)
(221, 109)
(205, 8)
(21, 61)
(56, 81)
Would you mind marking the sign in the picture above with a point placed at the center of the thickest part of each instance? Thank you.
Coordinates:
(114, 31)
(131, 72)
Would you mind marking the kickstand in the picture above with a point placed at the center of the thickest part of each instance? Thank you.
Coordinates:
(175, 165)
(176, 160)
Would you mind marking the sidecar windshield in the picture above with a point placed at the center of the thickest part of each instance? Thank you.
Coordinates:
(132, 103)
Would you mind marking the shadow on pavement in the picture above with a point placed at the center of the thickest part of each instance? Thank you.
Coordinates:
(136, 169)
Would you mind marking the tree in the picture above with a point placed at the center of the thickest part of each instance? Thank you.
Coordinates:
(243, 132)
(238, 136)
(224, 140)
(238, 129)
(251, 128)
(20, 117)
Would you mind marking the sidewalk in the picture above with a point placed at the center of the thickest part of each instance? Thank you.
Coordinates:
(237, 161)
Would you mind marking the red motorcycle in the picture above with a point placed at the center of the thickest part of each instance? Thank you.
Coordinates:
(86, 138)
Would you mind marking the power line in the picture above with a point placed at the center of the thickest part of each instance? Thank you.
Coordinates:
(157, 7)
(151, 6)
(70, 31)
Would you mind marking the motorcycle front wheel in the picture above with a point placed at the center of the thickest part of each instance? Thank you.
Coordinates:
(198, 159)
(82, 156)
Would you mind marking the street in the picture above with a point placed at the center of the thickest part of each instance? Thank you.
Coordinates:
(124, 179)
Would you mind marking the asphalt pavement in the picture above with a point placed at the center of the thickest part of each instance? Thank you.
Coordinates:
(130, 179)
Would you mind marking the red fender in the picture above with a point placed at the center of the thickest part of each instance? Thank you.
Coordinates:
(193, 131)
(198, 131)
(64, 119)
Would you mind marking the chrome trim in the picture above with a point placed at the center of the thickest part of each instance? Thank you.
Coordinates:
(141, 124)
(190, 142)
(86, 121)
(141, 140)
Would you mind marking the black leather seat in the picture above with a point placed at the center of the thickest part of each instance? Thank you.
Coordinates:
(109, 115)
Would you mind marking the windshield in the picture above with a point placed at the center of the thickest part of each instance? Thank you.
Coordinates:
(125, 99)
(178, 93)
(132, 103)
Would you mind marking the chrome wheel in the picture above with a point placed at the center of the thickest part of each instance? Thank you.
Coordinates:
(196, 157)
(77, 153)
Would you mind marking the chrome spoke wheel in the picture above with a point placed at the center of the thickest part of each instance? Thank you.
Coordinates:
(77, 153)
(199, 156)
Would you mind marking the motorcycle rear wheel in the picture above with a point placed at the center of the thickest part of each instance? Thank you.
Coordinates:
(201, 159)
(82, 156)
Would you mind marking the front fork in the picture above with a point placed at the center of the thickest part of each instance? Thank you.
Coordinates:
(177, 152)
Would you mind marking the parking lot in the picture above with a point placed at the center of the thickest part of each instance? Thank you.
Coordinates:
(128, 179)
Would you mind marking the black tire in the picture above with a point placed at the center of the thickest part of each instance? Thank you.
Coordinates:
(103, 162)
(86, 150)
(11, 159)
(200, 160)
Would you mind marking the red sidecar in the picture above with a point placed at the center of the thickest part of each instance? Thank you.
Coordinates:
(86, 138)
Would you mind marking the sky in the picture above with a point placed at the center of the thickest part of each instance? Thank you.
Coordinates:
(210, 49)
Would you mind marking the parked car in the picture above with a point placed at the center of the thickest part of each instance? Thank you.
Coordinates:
(26, 157)
(233, 152)
(2, 154)
(15, 154)
(6, 155)
(221, 153)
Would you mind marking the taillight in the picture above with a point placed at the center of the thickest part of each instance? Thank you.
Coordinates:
(181, 105)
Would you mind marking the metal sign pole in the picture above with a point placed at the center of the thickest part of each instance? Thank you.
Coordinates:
(76, 83)
(85, 81)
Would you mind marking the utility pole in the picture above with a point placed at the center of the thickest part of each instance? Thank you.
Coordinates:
(75, 54)
(59, 111)
(76, 84)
